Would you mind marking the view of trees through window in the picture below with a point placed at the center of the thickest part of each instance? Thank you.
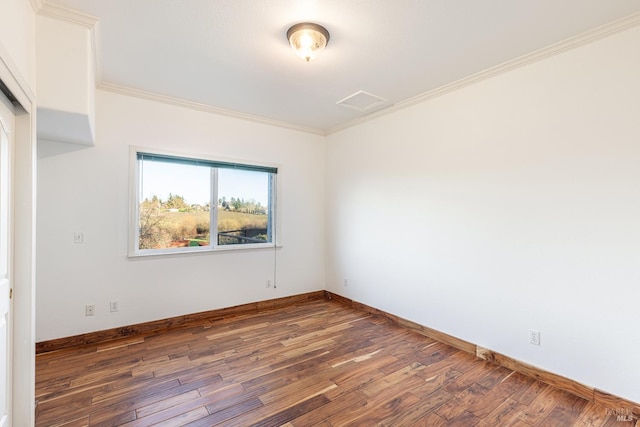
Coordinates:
(175, 205)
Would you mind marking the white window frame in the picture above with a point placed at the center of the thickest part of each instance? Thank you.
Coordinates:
(134, 205)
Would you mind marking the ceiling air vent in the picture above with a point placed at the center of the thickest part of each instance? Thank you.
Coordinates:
(362, 101)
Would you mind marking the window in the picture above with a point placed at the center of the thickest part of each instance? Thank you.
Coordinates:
(185, 204)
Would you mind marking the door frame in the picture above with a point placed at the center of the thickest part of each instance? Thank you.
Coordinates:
(6, 252)
(24, 249)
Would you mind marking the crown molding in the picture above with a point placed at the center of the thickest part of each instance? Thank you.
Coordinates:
(66, 14)
(587, 37)
(37, 5)
(151, 96)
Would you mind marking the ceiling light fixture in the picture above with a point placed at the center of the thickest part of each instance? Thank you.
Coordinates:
(307, 39)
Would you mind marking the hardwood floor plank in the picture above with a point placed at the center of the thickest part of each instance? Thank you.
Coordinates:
(353, 399)
(51, 413)
(378, 412)
(419, 411)
(237, 399)
(122, 401)
(105, 418)
(541, 406)
(499, 393)
(566, 411)
(431, 420)
(592, 416)
(116, 344)
(505, 413)
(169, 402)
(405, 376)
(317, 363)
(494, 377)
(454, 407)
(435, 379)
(437, 352)
(463, 382)
(520, 423)
(183, 419)
(530, 392)
(465, 419)
(80, 422)
(100, 383)
(356, 376)
(123, 390)
(300, 389)
(227, 414)
(292, 412)
(182, 413)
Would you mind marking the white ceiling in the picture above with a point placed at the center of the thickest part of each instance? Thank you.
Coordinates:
(233, 54)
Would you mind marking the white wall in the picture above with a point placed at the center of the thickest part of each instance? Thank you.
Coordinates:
(17, 39)
(507, 205)
(86, 189)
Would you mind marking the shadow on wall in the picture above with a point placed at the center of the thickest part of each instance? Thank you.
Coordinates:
(53, 148)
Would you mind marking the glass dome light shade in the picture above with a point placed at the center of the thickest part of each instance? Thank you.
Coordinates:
(307, 39)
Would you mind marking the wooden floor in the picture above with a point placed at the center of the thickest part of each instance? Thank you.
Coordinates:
(317, 364)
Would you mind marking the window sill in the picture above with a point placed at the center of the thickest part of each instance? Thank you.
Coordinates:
(159, 253)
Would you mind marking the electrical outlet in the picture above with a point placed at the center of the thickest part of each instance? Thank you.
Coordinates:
(346, 282)
(534, 337)
(78, 237)
(90, 310)
(114, 305)
(268, 283)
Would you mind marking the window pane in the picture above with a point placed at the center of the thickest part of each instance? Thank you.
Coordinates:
(243, 207)
(174, 205)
